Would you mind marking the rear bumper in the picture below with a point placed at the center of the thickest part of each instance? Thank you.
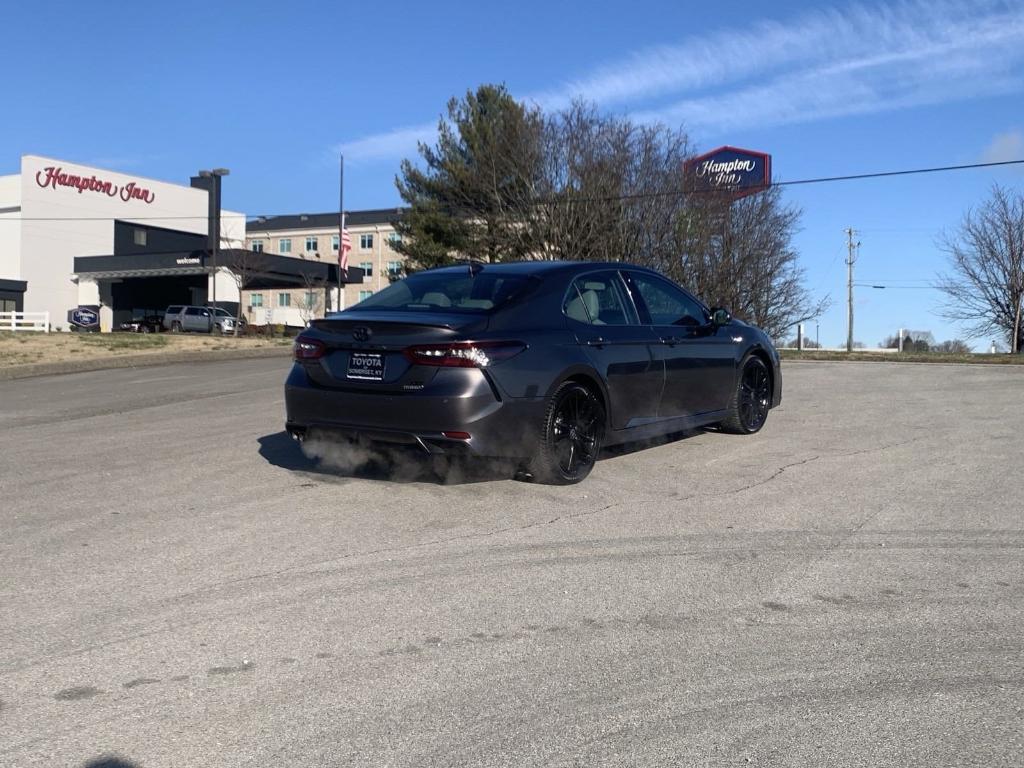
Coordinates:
(497, 427)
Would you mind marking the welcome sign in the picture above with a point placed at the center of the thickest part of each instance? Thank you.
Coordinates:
(84, 317)
(737, 171)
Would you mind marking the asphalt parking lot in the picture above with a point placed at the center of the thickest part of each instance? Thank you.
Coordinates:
(179, 585)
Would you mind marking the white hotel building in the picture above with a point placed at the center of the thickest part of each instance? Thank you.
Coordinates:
(78, 236)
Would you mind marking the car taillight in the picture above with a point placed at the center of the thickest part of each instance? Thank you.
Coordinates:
(308, 349)
(464, 354)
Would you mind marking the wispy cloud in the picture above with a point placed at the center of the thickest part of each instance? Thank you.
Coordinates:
(906, 59)
(1004, 147)
(856, 60)
(387, 145)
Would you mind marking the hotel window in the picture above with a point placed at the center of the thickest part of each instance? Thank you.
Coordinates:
(284, 245)
(363, 295)
(256, 300)
(394, 268)
(310, 244)
(257, 246)
(139, 236)
(310, 299)
(334, 243)
(284, 299)
(365, 242)
(394, 238)
(367, 267)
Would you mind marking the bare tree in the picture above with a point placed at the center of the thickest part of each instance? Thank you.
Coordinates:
(739, 254)
(312, 303)
(611, 189)
(244, 265)
(953, 347)
(985, 287)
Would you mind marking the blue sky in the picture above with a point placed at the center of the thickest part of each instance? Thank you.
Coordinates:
(273, 91)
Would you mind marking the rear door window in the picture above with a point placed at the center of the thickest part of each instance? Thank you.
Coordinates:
(599, 299)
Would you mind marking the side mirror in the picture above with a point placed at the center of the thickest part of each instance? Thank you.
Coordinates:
(720, 317)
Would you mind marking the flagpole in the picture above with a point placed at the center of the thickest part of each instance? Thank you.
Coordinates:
(341, 225)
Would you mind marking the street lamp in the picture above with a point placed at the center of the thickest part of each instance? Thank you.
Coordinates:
(214, 219)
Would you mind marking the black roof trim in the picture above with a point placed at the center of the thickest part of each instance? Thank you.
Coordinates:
(301, 221)
(17, 286)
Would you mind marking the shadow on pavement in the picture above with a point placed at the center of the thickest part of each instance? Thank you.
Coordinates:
(109, 762)
(339, 461)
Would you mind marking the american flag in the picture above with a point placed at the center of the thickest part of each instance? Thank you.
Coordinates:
(346, 246)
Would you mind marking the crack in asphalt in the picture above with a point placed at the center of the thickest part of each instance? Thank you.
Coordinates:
(783, 468)
(771, 477)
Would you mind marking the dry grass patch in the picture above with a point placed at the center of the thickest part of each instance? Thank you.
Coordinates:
(901, 357)
(29, 348)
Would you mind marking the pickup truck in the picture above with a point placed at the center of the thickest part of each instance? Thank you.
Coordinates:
(181, 318)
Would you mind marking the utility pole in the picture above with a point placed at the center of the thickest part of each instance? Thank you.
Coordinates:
(850, 259)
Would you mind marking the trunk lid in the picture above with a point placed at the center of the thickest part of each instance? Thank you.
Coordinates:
(364, 349)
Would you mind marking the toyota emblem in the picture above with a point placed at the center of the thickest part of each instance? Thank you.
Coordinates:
(361, 333)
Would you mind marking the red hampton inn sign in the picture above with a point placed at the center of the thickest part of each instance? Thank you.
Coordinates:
(54, 177)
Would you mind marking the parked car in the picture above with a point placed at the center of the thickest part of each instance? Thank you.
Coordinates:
(543, 362)
(144, 324)
(180, 318)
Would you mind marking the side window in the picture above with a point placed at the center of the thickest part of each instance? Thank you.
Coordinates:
(666, 304)
(599, 299)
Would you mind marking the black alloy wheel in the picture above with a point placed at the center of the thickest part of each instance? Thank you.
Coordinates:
(748, 409)
(571, 440)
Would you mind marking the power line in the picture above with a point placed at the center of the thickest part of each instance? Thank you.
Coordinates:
(605, 198)
(897, 280)
(899, 287)
(881, 174)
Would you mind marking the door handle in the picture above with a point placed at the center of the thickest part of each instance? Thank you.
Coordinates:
(671, 340)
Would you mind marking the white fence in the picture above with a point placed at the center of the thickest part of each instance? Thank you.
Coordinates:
(25, 321)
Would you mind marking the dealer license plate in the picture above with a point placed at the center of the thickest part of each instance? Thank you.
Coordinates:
(366, 366)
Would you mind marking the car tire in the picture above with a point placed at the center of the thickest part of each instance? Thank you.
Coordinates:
(218, 330)
(175, 327)
(571, 435)
(751, 398)
(144, 329)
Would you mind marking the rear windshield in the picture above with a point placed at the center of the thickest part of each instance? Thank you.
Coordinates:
(448, 292)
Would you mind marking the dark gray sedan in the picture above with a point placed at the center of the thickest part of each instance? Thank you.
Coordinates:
(543, 362)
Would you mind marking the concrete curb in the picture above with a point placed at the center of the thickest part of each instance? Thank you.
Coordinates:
(138, 361)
